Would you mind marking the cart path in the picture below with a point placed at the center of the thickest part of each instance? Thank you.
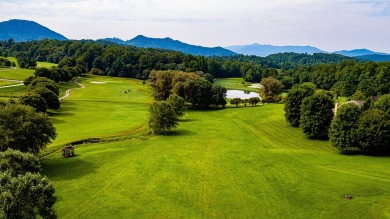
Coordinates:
(14, 85)
(67, 93)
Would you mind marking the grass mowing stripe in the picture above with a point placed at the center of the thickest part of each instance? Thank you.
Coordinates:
(231, 163)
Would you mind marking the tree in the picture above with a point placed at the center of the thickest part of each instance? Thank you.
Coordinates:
(26, 196)
(34, 100)
(316, 115)
(202, 93)
(17, 162)
(50, 97)
(21, 128)
(44, 82)
(374, 131)
(343, 130)
(383, 103)
(358, 95)
(177, 104)
(309, 87)
(219, 95)
(293, 102)
(161, 83)
(28, 80)
(254, 100)
(236, 101)
(209, 77)
(162, 117)
(271, 89)
(48, 73)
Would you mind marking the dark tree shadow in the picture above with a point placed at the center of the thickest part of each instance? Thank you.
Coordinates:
(188, 120)
(67, 168)
(365, 153)
(57, 121)
(179, 133)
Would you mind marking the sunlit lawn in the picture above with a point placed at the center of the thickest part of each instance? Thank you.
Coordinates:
(231, 163)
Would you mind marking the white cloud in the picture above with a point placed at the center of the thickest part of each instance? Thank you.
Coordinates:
(328, 24)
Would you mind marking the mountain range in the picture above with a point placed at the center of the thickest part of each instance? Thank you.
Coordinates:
(22, 30)
(168, 43)
(266, 50)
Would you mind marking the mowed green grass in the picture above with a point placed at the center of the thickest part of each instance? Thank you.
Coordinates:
(235, 84)
(101, 109)
(19, 73)
(232, 163)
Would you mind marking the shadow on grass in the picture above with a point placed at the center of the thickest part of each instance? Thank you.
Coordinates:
(364, 153)
(188, 120)
(52, 114)
(179, 133)
(57, 121)
(67, 168)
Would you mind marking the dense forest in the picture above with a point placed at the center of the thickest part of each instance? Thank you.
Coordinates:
(342, 74)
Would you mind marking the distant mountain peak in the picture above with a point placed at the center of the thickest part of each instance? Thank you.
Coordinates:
(25, 30)
(171, 44)
(266, 50)
(359, 52)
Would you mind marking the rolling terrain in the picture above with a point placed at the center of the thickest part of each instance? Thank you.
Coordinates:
(244, 162)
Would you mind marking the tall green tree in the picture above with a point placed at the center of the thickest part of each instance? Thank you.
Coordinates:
(374, 131)
(219, 95)
(343, 130)
(293, 102)
(383, 103)
(202, 94)
(177, 104)
(43, 82)
(271, 90)
(34, 100)
(162, 117)
(50, 97)
(316, 115)
(17, 162)
(21, 128)
(26, 195)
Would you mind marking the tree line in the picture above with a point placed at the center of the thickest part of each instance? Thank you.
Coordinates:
(345, 78)
(351, 128)
(104, 58)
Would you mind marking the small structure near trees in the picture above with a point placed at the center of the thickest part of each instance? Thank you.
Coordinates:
(68, 151)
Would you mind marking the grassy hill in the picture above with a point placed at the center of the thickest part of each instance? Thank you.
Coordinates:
(235, 163)
(242, 162)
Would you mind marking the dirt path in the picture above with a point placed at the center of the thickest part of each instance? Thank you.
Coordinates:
(67, 93)
(14, 85)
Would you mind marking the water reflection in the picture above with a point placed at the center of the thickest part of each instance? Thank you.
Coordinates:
(241, 94)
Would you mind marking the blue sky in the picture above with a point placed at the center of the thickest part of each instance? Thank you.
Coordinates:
(327, 24)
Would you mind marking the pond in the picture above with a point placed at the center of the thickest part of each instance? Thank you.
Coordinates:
(241, 94)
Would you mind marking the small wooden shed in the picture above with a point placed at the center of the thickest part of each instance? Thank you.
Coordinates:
(68, 151)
